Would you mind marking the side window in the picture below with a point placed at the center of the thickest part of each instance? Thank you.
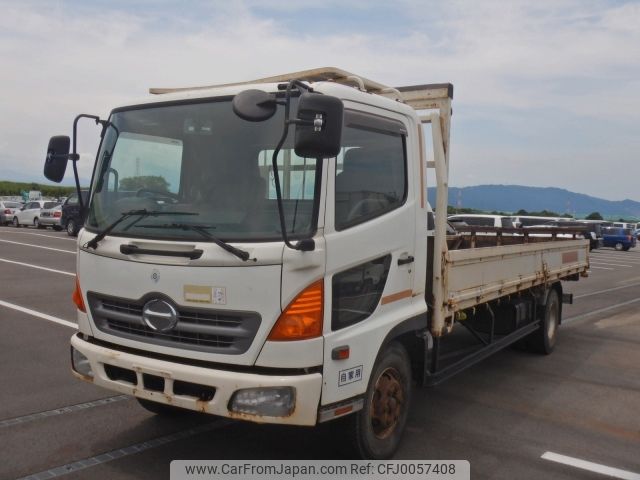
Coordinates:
(356, 292)
(370, 170)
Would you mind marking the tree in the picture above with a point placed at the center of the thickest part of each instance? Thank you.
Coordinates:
(594, 216)
(150, 182)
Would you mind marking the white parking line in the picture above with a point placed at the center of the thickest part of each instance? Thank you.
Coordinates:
(600, 268)
(575, 297)
(61, 411)
(612, 264)
(37, 266)
(618, 258)
(38, 234)
(63, 470)
(39, 246)
(600, 310)
(590, 466)
(34, 313)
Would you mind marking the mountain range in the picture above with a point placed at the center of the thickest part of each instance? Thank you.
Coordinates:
(511, 198)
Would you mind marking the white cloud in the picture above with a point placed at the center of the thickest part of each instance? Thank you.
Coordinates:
(570, 61)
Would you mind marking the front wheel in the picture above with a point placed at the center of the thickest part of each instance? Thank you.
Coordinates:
(375, 431)
(544, 339)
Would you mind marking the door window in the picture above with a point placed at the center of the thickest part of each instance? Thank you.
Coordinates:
(371, 177)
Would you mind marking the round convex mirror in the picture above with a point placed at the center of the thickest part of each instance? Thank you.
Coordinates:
(254, 105)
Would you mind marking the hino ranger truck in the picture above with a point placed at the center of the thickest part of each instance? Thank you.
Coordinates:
(265, 251)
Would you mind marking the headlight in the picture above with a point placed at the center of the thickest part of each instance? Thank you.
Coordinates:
(264, 401)
(80, 363)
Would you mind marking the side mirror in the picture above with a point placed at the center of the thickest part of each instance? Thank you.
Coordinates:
(55, 163)
(318, 126)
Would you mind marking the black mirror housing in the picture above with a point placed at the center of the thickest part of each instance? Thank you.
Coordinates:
(254, 105)
(55, 163)
(318, 126)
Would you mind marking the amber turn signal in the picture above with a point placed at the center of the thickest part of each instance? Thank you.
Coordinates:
(77, 297)
(302, 319)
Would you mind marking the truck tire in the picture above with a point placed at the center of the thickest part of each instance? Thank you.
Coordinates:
(161, 408)
(375, 431)
(544, 339)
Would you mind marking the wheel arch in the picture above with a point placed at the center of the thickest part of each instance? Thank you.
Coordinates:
(410, 334)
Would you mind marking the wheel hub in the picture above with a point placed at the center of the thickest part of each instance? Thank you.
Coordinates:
(387, 403)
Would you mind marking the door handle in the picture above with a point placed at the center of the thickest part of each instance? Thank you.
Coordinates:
(406, 260)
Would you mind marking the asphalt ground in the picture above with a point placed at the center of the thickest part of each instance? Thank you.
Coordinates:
(502, 415)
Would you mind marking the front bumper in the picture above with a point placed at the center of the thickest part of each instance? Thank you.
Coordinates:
(226, 383)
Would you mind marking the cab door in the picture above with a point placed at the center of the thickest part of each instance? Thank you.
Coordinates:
(370, 244)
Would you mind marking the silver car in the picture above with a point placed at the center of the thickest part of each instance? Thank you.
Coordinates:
(7, 210)
(29, 214)
(50, 217)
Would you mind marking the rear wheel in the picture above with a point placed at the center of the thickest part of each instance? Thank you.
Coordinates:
(619, 246)
(71, 228)
(544, 339)
(375, 431)
(36, 223)
(161, 408)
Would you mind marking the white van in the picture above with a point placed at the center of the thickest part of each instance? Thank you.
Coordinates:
(482, 220)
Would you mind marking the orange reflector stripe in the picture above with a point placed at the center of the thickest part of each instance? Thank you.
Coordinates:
(342, 410)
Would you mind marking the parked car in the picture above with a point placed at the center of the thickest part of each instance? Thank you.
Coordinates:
(29, 214)
(629, 225)
(480, 220)
(619, 238)
(50, 217)
(532, 221)
(593, 231)
(72, 218)
(7, 210)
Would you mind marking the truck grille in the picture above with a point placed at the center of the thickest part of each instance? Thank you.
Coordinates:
(212, 331)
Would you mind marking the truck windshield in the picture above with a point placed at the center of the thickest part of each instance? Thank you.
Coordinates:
(201, 158)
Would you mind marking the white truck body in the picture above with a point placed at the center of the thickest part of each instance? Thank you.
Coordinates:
(423, 294)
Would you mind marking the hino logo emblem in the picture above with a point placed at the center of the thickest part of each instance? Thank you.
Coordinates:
(159, 315)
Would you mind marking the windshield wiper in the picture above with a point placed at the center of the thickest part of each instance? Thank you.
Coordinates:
(93, 243)
(202, 230)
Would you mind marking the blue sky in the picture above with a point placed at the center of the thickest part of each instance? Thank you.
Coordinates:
(546, 93)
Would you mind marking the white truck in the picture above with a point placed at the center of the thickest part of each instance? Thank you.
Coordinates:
(265, 251)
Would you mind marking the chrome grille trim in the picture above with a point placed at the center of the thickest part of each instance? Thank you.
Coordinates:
(203, 330)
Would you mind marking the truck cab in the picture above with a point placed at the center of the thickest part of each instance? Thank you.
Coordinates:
(259, 251)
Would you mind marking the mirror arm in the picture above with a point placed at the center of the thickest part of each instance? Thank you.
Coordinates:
(74, 156)
(305, 244)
